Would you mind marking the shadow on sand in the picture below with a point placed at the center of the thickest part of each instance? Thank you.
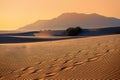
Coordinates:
(12, 39)
(24, 37)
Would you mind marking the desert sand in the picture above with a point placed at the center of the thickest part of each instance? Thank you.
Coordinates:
(96, 57)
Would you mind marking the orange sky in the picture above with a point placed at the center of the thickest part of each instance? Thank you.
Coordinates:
(17, 13)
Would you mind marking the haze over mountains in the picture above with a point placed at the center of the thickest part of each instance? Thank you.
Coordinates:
(92, 54)
(66, 20)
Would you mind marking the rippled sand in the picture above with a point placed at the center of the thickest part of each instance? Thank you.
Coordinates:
(81, 58)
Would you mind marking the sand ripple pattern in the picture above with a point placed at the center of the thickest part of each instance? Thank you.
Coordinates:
(93, 59)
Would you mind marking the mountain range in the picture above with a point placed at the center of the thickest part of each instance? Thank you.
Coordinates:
(67, 20)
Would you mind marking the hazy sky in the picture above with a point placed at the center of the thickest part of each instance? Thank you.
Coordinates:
(17, 13)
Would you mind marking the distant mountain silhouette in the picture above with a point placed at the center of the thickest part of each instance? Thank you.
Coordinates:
(72, 20)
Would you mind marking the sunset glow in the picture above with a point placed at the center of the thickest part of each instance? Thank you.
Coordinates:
(18, 13)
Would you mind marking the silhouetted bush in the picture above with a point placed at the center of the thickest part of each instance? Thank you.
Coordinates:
(117, 32)
(73, 31)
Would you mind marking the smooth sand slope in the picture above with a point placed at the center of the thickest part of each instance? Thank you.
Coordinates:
(71, 59)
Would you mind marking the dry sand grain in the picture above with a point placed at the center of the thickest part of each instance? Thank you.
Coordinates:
(81, 58)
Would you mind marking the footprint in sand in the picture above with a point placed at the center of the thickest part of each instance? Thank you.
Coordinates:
(66, 68)
(50, 74)
(36, 79)
(78, 52)
(66, 61)
(39, 79)
(2, 77)
(28, 70)
(32, 71)
(24, 69)
(107, 51)
(93, 59)
(21, 69)
(80, 62)
(35, 71)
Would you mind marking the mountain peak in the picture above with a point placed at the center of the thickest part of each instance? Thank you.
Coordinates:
(66, 20)
(95, 14)
(74, 13)
(79, 15)
(71, 14)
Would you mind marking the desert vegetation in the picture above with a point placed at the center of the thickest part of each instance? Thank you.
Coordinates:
(73, 31)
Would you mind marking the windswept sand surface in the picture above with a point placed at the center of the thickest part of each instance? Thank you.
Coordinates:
(71, 59)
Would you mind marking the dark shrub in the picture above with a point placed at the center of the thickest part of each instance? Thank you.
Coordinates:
(73, 31)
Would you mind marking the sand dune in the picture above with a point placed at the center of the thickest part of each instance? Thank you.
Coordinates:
(80, 58)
